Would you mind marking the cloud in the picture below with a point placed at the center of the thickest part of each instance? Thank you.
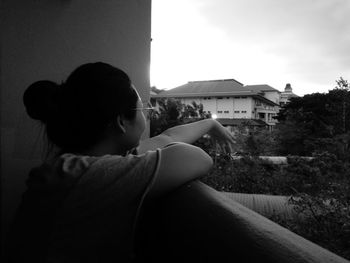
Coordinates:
(255, 41)
(312, 37)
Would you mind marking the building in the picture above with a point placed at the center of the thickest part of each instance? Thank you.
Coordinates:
(230, 100)
(286, 95)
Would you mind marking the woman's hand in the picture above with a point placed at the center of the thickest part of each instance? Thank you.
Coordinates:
(222, 137)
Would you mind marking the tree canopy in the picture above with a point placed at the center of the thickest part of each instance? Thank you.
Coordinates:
(316, 121)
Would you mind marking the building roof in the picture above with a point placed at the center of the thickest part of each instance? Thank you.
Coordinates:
(153, 93)
(222, 87)
(262, 98)
(204, 94)
(212, 87)
(238, 122)
(260, 88)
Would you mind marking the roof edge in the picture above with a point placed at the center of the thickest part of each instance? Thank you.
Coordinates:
(256, 85)
(212, 80)
(205, 94)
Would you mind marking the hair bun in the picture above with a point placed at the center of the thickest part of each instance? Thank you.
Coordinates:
(40, 100)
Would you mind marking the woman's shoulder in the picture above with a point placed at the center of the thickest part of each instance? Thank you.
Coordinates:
(133, 160)
(75, 164)
(110, 174)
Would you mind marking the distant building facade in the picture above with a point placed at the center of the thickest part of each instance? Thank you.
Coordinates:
(232, 102)
(286, 95)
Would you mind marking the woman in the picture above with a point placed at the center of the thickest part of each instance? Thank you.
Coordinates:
(83, 203)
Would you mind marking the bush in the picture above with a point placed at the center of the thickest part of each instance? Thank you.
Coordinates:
(323, 220)
(320, 190)
(247, 175)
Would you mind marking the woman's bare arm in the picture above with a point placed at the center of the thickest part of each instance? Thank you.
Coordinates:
(189, 133)
(179, 163)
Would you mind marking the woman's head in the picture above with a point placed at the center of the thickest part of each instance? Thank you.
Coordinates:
(78, 113)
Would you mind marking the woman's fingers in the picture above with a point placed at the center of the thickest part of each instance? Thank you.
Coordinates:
(225, 146)
(222, 138)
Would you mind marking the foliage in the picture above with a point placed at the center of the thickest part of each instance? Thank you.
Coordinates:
(246, 175)
(171, 112)
(320, 188)
(258, 141)
(323, 220)
(167, 116)
(254, 175)
(307, 123)
(155, 90)
(316, 125)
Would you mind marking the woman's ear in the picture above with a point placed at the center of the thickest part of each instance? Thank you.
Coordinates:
(119, 124)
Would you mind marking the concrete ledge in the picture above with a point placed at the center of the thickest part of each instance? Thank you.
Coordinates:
(266, 205)
(198, 224)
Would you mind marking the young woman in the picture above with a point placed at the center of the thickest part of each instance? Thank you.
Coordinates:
(82, 204)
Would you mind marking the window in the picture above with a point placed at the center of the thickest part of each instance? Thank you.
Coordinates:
(220, 111)
(243, 111)
(236, 111)
(219, 98)
(226, 111)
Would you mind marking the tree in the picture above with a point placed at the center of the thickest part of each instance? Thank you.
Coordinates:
(306, 123)
(168, 115)
(172, 112)
(342, 88)
(156, 90)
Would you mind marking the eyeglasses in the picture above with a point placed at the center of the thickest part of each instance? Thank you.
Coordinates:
(146, 110)
(149, 107)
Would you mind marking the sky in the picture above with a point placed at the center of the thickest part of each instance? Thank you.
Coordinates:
(302, 42)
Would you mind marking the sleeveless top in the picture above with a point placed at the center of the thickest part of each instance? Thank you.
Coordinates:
(83, 209)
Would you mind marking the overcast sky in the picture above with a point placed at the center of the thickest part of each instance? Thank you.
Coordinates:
(302, 42)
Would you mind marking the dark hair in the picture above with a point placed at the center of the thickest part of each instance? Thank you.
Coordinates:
(77, 112)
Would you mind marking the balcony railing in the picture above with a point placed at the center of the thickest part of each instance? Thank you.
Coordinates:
(196, 223)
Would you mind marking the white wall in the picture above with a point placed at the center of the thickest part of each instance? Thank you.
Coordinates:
(243, 107)
(225, 107)
(237, 107)
(209, 105)
(47, 40)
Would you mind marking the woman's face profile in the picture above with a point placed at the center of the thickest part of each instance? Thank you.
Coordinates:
(137, 125)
